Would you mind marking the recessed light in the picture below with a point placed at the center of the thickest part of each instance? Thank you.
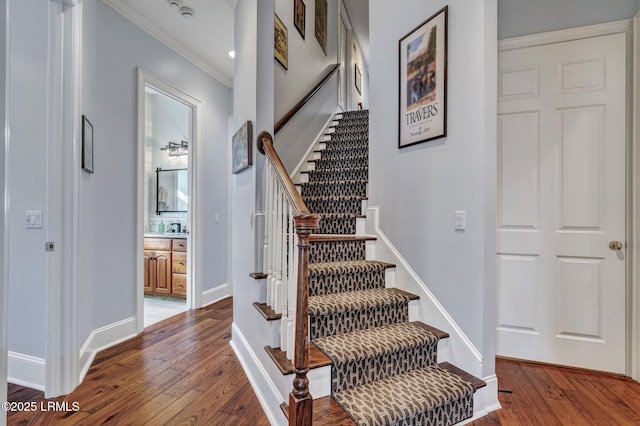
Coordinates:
(175, 3)
(186, 12)
(232, 53)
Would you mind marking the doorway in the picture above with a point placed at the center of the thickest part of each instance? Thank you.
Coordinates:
(168, 216)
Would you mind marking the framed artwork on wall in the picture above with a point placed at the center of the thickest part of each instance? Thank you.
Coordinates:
(241, 144)
(358, 79)
(299, 14)
(87, 145)
(423, 81)
(321, 24)
(281, 48)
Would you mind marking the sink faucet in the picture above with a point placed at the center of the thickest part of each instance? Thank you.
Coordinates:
(175, 227)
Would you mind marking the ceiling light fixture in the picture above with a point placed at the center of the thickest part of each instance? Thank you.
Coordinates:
(232, 53)
(186, 12)
(177, 4)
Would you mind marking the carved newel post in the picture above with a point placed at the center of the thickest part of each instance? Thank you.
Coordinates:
(300, 400)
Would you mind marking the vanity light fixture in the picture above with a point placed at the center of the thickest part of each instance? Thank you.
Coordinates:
(174, 149)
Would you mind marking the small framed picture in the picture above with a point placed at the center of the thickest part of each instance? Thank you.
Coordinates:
(281, 48)
(423, 81)
(321, 24)
(241, 144)
(299, 13)
(358, 80)
(87, 145)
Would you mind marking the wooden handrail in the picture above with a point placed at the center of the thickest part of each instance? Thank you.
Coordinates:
(300, 400)
(288, 116)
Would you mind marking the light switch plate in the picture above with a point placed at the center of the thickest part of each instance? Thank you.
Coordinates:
(34, 219)
(460, 221)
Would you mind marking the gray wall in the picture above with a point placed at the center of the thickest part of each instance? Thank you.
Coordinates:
(3, 298)
(419, 188)
(524, 17)
(116, 48)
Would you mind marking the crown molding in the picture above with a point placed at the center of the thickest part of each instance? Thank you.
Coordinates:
(162, 36)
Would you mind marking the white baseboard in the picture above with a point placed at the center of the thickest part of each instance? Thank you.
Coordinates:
(485, 399)
(295, 174)
(103, 338)
(215, 294)
(26, 370)
(264, 388)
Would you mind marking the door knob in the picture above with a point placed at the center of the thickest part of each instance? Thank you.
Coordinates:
(615, 245)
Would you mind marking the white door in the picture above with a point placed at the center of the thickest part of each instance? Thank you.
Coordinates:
(561, 185)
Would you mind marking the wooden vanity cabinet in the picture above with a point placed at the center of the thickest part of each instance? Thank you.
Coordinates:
(179, 266)
(165, 266)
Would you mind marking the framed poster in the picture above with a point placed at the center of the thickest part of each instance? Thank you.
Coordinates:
(241, 143)
(87, 145)
(321, 24)
(358, 79)
(299, 11)
(281, 48)
(423, 81)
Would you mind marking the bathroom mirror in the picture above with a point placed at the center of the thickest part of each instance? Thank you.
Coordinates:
(172, 190)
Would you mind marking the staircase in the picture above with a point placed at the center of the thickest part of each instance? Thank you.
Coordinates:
(384, 367)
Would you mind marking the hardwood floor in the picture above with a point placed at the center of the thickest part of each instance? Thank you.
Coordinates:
(545, 395)
(182, 371)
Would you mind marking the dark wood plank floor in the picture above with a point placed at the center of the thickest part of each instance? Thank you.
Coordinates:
(182, 371)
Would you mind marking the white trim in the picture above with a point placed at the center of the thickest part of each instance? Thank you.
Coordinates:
(266, 391)
(634, 331)
(103, 338)
(564, 35)
(26, 370)
(484, 399)
(62, 205)
(309, 153)
(195, 214)
(4, 271)
(179, 48)
(216, 294)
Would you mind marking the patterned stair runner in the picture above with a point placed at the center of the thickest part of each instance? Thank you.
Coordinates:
(384, 368)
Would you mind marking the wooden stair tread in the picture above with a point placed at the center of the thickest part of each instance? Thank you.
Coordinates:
(266, 311)
(258, 275)
(317, 358)
(339, 237)
(477, 383)
(439, 333)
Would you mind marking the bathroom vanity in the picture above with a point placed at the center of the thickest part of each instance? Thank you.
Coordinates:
(165, 264)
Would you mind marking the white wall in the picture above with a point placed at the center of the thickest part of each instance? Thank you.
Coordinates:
(524, 17)
(419, 188)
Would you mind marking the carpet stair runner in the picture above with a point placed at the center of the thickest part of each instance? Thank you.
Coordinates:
(384, 368)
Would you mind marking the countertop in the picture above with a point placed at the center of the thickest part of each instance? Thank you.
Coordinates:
(165, 235)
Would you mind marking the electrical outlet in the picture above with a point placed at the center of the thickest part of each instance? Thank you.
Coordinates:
(460, 224)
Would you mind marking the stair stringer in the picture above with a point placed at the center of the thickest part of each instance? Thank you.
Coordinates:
(315, 145)
(457, 349)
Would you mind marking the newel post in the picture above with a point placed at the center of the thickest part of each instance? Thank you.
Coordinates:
(300, 400)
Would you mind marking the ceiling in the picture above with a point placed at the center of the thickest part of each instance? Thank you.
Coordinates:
(207, 38)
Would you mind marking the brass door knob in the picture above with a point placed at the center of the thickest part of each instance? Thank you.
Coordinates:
(615, 245)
